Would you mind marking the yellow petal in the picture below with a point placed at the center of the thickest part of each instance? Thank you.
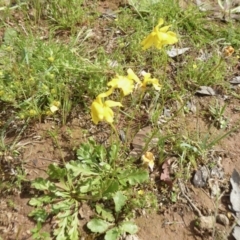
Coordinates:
(141, 192)
(164, 29)
(108, 115)
(53, 108)
(123, 83)
(133, 76)
(149, 41)
(110, 103)
(97, 112)
(154, 81)
(105, 94)
(167, 38)
(160, 22)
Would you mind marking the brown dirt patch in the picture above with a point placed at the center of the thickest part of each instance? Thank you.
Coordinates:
(49, 143)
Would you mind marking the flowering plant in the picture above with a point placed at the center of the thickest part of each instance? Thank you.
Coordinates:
(101, 110)
(159, 37)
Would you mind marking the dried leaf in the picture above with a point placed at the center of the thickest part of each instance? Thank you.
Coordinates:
(204, 56)
(174, 52)
(140, 140)
(204, 90)
(165, 175)
(235, 193)
(236, 232)
(235, 80)
(191, 106)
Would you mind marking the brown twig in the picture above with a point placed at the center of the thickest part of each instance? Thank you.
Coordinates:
(180, 184)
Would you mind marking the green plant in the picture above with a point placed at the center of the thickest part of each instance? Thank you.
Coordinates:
(216, 113)
(98, 176)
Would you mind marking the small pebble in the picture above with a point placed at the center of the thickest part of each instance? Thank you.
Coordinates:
(221, 218)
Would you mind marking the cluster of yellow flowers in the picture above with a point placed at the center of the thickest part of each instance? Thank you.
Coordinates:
(100, 109)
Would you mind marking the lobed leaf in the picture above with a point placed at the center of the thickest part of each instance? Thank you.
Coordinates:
(129, 227)
(98, 225)
(133, 177)
(119, 201)
(105, 213)
(112, 234)
(79, 169)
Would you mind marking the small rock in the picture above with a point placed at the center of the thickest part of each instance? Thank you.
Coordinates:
(207, 222)
(200, 177)
(214, 186)
(217, 173)
(221, 218)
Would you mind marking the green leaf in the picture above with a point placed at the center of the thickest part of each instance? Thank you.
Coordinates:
(101, 152)
(119, 201)
(73, 231)
(62, 194)
(43, 184)
(129, 227)
(10, 35)
(105, 213)
(113, 153)
(109, 186)
(98, 225)
(55, 172)
(133, 177)
(63, 205)
(39, 215)
(79, 168)
(60, 231)
(89, 184)
(112, 234)
(37, 202)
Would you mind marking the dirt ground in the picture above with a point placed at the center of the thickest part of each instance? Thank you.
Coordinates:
(177, 220)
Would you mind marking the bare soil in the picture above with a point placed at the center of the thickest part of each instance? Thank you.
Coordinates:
(176, 220)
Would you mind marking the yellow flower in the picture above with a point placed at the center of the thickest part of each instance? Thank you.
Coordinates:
(54, 106)
(228, 51)
(141, 192)
(159, 37)
(101, 111)
(51, 59)
(133, 76)
(148, 159)
(32, 113)
(150, 81)
(124, 83)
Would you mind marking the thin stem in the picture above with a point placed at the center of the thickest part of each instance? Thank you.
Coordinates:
(213, 70)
